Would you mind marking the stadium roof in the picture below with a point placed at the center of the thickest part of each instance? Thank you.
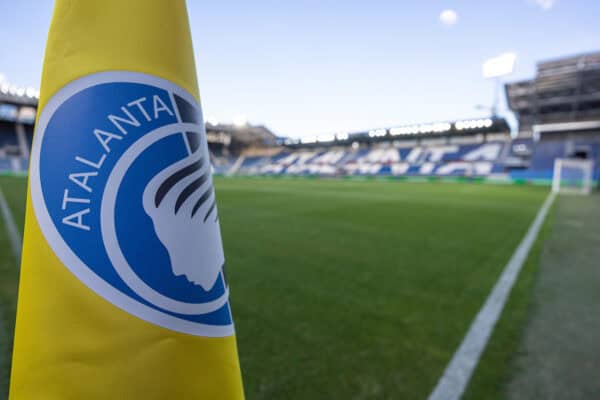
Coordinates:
(564, 90)
(431, 129)
(18, 95)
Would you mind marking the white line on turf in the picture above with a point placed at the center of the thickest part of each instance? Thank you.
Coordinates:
(453, 382)
(13, 233)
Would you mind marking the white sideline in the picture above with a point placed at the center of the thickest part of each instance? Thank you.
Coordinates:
(453, 382)
(13, 233)
(234, 168)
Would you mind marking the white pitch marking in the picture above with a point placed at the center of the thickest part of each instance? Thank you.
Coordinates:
(11, 228)
(453, 382)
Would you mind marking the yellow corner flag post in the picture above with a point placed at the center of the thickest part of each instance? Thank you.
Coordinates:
(123, 292)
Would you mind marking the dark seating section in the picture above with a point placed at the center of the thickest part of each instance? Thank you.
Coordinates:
(484, 159)
(8, 135)
(451, 160)
(11, 159)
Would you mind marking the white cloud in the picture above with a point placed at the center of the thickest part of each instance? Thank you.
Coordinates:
(2, 78)
(546, 4)
(450, 17)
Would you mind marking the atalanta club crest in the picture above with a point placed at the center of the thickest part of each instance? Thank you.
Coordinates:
(122, 188)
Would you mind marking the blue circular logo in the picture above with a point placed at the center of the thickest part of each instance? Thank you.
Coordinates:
(122, 189)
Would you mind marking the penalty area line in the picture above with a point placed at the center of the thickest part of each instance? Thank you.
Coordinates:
(11, 228)
(455, 379)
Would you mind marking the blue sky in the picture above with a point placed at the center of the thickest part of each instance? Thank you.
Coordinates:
(310, 67)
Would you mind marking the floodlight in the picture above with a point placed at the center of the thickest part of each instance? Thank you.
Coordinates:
(499, 66)
(30, 92)
(212, 121)
(240, 120)
(310, 139)
(377, 132)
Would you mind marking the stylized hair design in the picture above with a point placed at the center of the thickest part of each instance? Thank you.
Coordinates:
(181, 202)
(178, 176)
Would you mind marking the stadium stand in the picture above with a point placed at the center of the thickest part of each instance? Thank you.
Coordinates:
(17, 114)
(8, 136)
(558, 113)
(385, 159)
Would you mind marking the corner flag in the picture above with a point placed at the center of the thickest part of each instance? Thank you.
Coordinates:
(123, 292)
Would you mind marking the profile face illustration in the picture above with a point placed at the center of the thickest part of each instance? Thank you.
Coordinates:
(181, 202)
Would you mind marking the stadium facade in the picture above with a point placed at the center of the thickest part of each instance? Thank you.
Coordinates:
(558, 113)
(17, 116)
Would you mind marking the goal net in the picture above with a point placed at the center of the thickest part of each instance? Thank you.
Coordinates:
(573, 176)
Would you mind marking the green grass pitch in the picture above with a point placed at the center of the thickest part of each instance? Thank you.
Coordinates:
(14, 190)
(345, 289)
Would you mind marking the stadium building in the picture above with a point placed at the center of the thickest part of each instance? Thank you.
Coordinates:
(558, 113)
(17, 116)
(463, 148)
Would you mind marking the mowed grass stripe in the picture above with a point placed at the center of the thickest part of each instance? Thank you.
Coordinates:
(460, 369)
(361, 289)
(497, 364)
(8, 301)
(14, 192)
(13, 232)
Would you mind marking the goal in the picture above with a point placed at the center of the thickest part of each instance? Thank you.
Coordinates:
(573, 176)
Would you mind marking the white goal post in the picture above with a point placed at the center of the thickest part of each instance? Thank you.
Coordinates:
(573, 176)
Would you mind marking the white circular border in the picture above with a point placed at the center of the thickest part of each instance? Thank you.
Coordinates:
(109, 233)
(58, 245)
